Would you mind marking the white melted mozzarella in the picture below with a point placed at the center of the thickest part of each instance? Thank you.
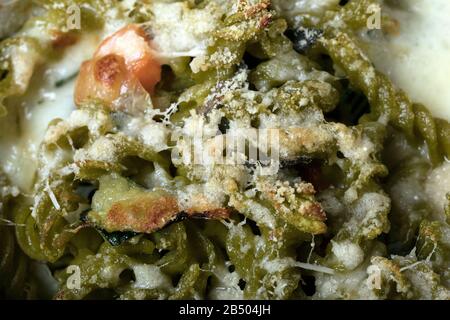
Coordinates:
(20, 145)
(418, 58)
(28, 117)
(183, 32)
(436, 188)
(151, 277)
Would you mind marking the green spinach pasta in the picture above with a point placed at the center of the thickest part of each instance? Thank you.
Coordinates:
(104, 197)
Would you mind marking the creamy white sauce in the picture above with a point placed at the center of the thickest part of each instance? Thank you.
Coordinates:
(436, 188)
(28, 117)
(418, 61)
(418, 58)
(20, 146)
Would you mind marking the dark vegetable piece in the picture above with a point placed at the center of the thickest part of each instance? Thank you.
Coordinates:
(304, 38)
(118, 237)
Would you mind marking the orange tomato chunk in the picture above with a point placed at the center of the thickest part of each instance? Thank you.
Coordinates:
(122, 61)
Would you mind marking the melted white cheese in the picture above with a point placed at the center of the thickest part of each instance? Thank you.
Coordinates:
(183, 32)
(28, 117)
(348, 253)
(292, 9)
(418, 58)
(436, 188)
(20, 145)
(418, 61)
(151, 277)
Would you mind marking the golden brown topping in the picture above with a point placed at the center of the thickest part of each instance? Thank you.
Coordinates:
(109, 69)
(62, 40)
(101, 79)
(143, 214)
(147, 214)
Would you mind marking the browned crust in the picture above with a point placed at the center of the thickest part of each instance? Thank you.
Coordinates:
(61, 40)
(109, 69)
(142, 214)
(101, 78)
(316, 211)
(309, 208)
(251, 11)
(265, 21)
(108, 74)
(216, 214)
(148, 214)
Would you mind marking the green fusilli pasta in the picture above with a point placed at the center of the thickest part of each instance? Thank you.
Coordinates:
(117, 198)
